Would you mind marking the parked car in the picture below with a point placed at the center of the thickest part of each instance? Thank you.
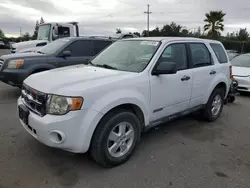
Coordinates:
(14, 68)
(130, 87)
(2, 45)
(241, 71)
(232, 53)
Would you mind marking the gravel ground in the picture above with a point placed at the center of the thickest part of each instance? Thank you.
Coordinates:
(186, 153)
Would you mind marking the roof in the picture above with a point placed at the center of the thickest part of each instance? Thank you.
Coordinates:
(83, 38)
(169, 39)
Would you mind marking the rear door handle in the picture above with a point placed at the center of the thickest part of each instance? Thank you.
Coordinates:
(212, 72)
(185, 78)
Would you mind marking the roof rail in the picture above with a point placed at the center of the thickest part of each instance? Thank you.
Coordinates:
(104, 37)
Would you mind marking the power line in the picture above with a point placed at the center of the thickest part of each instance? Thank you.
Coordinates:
(148, 13)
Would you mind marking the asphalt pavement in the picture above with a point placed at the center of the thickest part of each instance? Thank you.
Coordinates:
(186, 153)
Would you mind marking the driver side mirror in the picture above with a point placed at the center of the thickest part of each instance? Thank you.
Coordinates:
(165, 68)
(66, 53)
(55, 32)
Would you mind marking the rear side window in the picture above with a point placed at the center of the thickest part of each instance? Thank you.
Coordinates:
(200, 55)
(63, 32)
(81, 48)
(220, 53)
(99, 45)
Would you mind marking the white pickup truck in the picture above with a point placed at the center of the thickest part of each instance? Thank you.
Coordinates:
(47, 33)
(130, 87)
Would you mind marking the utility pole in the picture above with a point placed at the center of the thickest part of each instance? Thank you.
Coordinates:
(20, 31)
(148, 13)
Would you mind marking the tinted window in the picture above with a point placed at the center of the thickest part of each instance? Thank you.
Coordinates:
(220, 53)
(81, 48)
(241, 61)
(175, 53)
(132, 56)
(200, 55)
(99, 45)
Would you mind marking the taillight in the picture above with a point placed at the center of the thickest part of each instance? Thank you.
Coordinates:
(230, 71)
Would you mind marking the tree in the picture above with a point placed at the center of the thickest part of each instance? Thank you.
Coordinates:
(214, 23)
(118, 31)
(137, 33)
(243, 35)
(42, 21)
(1, 34)
(36, 30)
(26, 36)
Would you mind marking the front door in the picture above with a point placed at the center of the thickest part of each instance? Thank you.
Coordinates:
(170, 93)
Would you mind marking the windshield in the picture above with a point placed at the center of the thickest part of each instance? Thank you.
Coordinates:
(241, 61)
(130, 55)
(44, 32)
(53, 47)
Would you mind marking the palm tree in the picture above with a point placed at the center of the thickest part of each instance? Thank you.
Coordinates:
(214, 23)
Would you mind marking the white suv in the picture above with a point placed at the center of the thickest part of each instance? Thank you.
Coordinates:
(131, 86)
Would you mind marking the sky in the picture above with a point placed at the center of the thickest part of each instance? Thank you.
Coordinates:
(102, 17)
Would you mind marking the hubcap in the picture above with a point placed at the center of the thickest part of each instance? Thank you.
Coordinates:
(216, 105)
(120, 139)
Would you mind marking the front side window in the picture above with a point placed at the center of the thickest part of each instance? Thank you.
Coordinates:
(175, 53)
(44, 32)
(54, 46)
(127, 55)
(200, 55)
(219, 52)
(241, 61)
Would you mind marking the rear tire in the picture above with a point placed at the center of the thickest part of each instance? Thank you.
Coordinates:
(214, 105)
(111, 146)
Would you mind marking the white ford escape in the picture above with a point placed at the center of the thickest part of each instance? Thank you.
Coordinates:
(131, 86)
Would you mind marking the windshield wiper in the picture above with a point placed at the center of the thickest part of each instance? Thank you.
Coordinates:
(89, 63)
(39, 52)
(107, 66)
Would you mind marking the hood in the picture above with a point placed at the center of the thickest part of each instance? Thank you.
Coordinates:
(22, 55)
(33, 49)
(73, 80)
(241, 71)
(27, 44)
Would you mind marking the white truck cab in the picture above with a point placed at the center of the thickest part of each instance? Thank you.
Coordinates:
(131, 86)
(47, 33)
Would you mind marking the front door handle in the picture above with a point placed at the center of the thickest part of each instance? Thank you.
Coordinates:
(212, 72)
(185, 78)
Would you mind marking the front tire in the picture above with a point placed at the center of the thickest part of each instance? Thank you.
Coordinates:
(115, 138)
(214, 105)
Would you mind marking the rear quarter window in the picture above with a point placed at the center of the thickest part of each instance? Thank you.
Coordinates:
(219, 52)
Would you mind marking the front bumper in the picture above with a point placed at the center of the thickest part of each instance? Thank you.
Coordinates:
(14, 77)
(71, 132)
(243, 83)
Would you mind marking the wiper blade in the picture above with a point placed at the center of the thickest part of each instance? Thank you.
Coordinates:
(107, 66)
(39, 52)
(89, 63)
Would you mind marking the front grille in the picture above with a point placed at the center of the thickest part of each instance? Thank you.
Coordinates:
(34, 100)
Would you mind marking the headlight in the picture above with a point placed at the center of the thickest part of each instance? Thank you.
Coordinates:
(60, 105)
(15, 64)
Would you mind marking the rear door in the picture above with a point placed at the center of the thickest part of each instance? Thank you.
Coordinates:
(81, 52)
(100, 45)
(203, 72)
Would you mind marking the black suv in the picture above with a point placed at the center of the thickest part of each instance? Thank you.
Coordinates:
(14, 68)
